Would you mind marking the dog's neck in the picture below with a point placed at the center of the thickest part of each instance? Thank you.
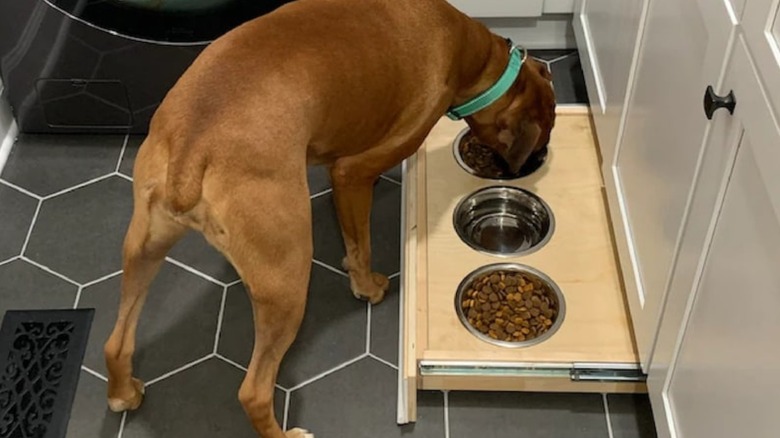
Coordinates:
(492, 54)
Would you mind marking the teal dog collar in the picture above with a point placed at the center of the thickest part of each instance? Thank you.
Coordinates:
(493, 93)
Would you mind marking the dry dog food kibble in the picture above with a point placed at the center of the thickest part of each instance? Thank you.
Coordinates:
(509, 306)
(482, 159)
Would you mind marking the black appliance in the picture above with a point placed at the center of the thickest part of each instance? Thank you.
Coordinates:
(105, 65)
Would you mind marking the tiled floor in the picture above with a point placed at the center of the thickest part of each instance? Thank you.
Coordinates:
(65, 202)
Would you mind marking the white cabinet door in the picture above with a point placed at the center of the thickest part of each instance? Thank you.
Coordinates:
(724, 380)
(499, 8)
(607, 35)
(761, 25)
(684, 49)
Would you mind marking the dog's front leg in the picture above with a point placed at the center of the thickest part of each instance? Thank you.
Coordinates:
(353, 186)
(353, 181)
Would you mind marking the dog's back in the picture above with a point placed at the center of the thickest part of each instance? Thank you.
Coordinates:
(302, 80)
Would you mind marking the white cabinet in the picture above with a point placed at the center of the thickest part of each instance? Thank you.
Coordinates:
(607, 33)
(695, 205)
(650, 175)
(513, 8)
(723, 377)
(499, 8)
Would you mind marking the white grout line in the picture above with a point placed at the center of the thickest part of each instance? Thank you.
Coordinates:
(103, 278)
(123, 176)
(446, 414)
(391, 180)
(192, 270)
(19, 189)
(78, 297)
(606, 413)
(330, 268)
(94, 373)
(220, 317)
(92, 283)
(322, 193)
(230, 362)
(397, 274)
(379, 359)
(560, 58)
(233, 283)
(122, 425)
(32, 225)
(286, 414)
(368, 328)
(121, 153)
(178, 370)
(79, 186)
(12, 259)
(329, 372)
(49, 270)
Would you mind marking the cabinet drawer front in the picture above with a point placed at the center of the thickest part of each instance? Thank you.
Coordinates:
(499, 8)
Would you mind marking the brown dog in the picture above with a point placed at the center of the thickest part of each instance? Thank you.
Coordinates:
(354, 85)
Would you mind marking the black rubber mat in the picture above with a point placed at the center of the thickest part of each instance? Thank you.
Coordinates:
(40, 361)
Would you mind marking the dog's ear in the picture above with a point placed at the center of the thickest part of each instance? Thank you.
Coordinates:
(518, 138)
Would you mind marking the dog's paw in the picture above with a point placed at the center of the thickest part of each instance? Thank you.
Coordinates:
(374, 289)
(299, 433)
(130, 402)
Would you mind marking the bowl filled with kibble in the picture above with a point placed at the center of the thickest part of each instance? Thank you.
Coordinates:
(482, 161)
(510, 305)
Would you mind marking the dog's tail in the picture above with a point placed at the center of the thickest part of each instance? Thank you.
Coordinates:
(184, 179)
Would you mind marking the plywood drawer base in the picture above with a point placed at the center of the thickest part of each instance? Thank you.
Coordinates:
(594, 349)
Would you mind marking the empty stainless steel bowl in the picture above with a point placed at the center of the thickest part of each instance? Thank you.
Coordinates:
(554, 292)
(504, 221)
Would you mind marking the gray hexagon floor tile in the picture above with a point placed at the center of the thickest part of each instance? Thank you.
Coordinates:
(385, 229)
(396, 173)
(200, 402)
(16, 213)
(177, 326)
(318, 179)
(79, 234)
(631, 416)
(529, 415)
(24, 286)
(359, 401)
(333, 330)
(194, 251)
(550, 55)
(384, 325)
(90, 416)
(131, 151)
(45, 164)
(569, 80)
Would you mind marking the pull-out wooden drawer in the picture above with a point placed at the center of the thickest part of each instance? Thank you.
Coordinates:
(593, 350)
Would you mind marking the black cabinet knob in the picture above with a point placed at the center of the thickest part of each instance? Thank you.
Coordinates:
(713, 102)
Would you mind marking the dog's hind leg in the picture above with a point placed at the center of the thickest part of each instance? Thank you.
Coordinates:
(268, 237)
(151, 234)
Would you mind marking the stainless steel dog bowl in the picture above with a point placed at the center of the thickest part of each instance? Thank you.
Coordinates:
(504, 221)
(535, 161)
(554, 292)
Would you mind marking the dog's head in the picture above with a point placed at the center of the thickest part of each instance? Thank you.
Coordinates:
(519, 124)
